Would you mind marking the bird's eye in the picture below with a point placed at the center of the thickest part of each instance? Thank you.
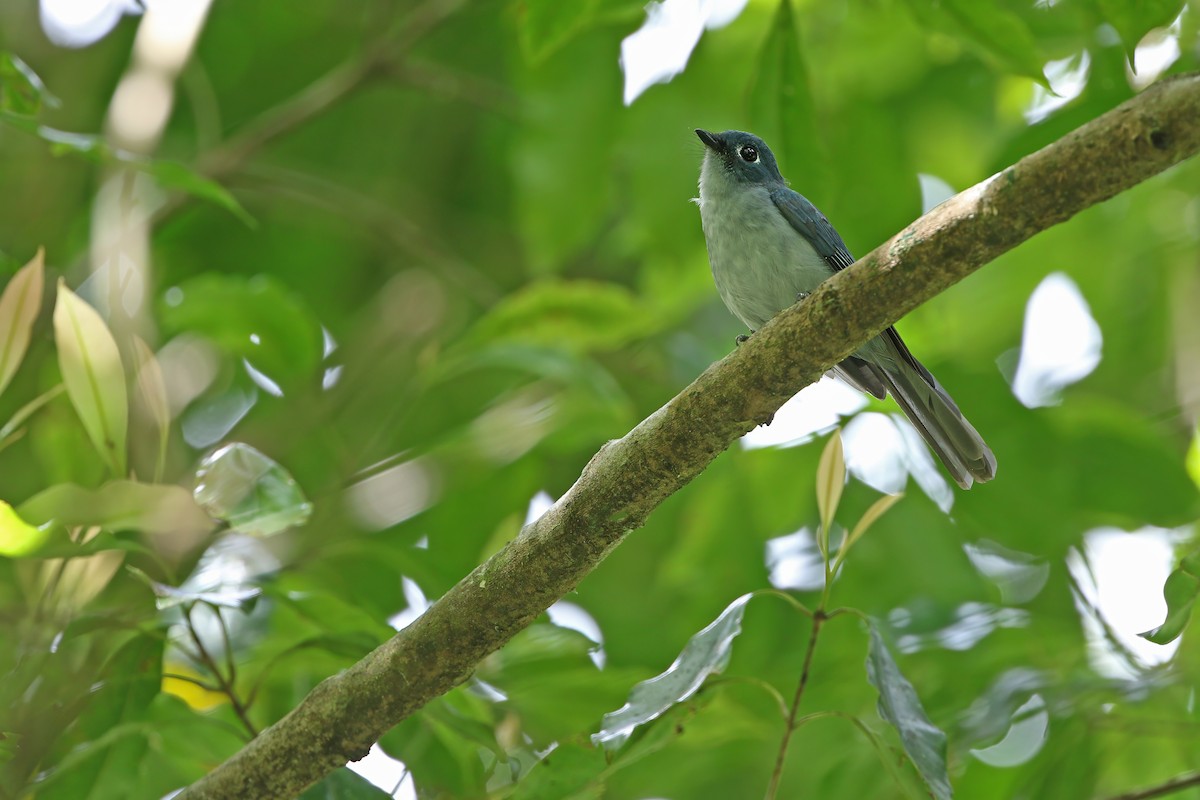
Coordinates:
(749, 153)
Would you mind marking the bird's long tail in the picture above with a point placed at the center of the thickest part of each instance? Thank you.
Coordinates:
(934, 414)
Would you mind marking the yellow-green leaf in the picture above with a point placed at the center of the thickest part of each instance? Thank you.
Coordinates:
(91, 369)
(877, 510)
(18, 537)
(831, 478)
(18, 309)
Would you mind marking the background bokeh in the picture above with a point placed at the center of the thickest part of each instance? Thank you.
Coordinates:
(426, 259)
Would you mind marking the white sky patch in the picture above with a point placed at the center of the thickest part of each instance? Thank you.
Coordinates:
(1019, 576)
(883, 450)
(1060, 343)
(262, 380)
(814, 409)
(659, 50)
(539, 504)
(1067, 78)
(1124, 585)
(795, 561)
(78, 23)
(1157, 50)
(418, 604)
(386, 773)
(570, 615)
(934, 192)
(393, 494)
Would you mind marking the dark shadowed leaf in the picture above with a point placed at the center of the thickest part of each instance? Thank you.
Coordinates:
(111, 729)
(1133, 20)
(900, 706)
(344, 784)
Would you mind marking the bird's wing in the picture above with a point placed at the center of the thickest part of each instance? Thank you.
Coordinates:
(810, 223)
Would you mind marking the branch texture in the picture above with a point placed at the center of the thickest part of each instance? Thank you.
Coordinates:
(629, 477)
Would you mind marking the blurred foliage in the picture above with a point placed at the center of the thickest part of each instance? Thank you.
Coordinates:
(439, 265)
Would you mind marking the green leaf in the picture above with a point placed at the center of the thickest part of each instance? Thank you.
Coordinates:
(547, 25)
(343, 784)
(258, 319)
(579, 316)
(782, 105)
(17, 537)
(21, 90)
(173, 175)
(250, 492)
(1133, 19)
(442, 762)
(11, 431)
(156, 509)
(899, 705)
(999, 30)
(705, 654)
(568, 771)
(91, 369)
(1180, 591)
(872, 515)
(112, 738)
(19, 306)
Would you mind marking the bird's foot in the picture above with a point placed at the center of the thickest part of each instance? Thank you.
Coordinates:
(801, 296)
(741, 338)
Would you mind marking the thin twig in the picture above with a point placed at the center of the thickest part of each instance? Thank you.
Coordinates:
(226, 686)
(1163, 789)
(818, 618)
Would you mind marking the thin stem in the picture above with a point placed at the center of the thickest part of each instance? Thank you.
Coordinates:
(208, 687)
(759, 683)
(818, 618)
(796, 604)
(1163, 789)
(225, 685)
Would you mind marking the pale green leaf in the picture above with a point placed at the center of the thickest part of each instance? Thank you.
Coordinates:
(91, 369)
(831, 479)
(120, 505)
(152, 397)
(19, 305)
(877, 510)
(705, 654)
(249, 491)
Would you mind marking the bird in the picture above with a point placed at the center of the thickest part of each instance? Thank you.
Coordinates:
(769, 247)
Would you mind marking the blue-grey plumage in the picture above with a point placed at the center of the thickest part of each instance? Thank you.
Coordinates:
(768, 245)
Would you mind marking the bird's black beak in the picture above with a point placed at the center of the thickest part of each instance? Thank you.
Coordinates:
(711, 140)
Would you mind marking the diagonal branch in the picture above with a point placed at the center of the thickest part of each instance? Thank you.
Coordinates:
(629, 477)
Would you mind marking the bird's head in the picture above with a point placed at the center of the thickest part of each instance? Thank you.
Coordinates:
(742, 157)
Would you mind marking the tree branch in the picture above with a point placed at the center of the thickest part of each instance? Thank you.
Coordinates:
(629, 477)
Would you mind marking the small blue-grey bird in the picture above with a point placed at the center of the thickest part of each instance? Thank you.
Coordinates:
(769, 246)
